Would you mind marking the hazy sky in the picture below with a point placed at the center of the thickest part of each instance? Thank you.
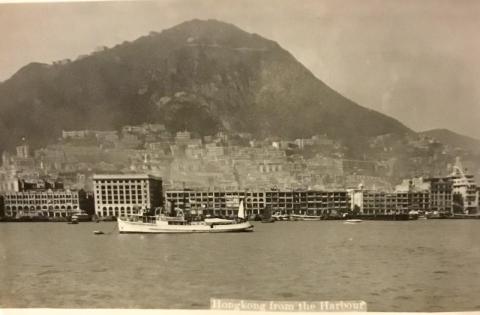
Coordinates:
(418, 61)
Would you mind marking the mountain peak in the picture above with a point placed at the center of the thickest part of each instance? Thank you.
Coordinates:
(205, 24)
(213, 32)
(446, 132)
(201, 75)
(453, 139)
(31, 68)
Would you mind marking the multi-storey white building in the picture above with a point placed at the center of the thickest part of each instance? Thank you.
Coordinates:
(464, 185)
(124, 194)
(51, 203)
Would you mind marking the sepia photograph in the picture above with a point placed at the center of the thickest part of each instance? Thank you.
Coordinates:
(248, 155)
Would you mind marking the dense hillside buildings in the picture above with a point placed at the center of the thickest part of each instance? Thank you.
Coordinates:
(184, 157)
(226, 161)
(124, 194)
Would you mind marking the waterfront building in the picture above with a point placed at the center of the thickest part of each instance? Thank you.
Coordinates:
(374, 202)
(418, 201)
(380, 202)
(355, 196)
(463, 185)
(48, 203)
(124, 194)
(288, 202)
(311, 202)
(413, 194)
(441, 190)
(216, 202)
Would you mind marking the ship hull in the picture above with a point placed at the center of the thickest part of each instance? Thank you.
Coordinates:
(160, 228)
(383, 217)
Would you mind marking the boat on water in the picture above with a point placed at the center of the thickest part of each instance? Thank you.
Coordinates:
(267, 216)
(295, 217)
(381, 217)
(177, 222)
(73, 221)
(438, 215)
(413, 215)
(81, 216)
(306, 217)
(278, 216)
(353, 221)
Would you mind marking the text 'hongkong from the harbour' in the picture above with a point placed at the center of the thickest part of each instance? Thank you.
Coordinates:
(287, 306)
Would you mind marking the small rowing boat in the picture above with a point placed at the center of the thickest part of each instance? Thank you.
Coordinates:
(353, 221)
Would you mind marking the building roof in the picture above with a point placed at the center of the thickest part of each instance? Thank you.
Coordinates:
(124, 176)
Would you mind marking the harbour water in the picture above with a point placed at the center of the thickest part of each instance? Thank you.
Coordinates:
(424, 265)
